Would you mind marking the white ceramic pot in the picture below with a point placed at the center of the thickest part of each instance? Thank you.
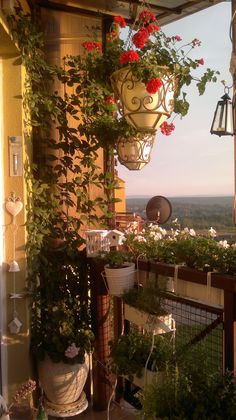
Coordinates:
(135, 153)
(141, 109)
(119, 279)
(62, 383)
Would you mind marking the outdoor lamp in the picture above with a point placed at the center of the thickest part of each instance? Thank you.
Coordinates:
(223, 121)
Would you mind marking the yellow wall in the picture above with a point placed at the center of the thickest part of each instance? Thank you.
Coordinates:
(120, 193)
(15, 347)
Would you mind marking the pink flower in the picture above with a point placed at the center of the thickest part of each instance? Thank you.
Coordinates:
(167, 128)
(129, 57)
(153, 28)
(196, 42)
(153, 85)
(178, 38)
(146, 16)
(91, 46)
(72, 351)
(200, 61)
(140, 38)
(120, 21)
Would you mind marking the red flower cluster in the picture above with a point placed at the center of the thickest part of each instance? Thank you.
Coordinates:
(120, 21)
(129, 56)
(140, 38)
(110, 100)
(146, 16)
(153, 85)
(200, 61)
(167, 128)
(91, 46)
(153, 28)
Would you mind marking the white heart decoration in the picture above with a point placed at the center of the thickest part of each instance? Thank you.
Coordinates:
(14, 207)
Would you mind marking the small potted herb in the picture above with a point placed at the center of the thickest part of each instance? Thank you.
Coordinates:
(119, 271)
(139, 357)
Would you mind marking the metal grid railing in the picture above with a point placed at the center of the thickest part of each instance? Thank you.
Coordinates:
(197, 326)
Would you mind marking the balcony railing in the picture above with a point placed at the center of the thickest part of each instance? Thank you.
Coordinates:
(202, 304)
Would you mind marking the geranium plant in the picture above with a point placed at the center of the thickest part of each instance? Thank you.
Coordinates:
(147, 51)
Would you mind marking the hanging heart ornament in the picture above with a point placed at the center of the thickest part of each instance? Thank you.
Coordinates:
(14, 207)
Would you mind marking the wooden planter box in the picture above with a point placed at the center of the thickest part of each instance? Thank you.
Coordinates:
(151, 323)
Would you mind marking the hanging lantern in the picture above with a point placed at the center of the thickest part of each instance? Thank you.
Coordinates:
(223, 121)
(135, 153)
(143, 110)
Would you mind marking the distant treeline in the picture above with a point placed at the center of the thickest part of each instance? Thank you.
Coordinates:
(199, 213)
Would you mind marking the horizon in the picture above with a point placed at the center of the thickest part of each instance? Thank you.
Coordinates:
(183, 196)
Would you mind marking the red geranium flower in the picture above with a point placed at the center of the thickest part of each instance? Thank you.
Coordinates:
(110, 99)
(153, 85)
(167, 128)
(146, 16)
(91, 46)
(200, 61)
(120, 20)
(153, 28)
(129, 56)
(178, 38)
(140, 38)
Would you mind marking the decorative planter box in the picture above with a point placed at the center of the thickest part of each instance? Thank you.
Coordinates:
(147, 378)
(151, 323)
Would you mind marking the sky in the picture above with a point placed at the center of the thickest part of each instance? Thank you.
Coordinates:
(191, 161)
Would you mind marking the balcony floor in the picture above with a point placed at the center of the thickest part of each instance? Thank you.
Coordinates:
(117, 412)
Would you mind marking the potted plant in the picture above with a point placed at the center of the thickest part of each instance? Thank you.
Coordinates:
(140, 357)
(61, 336)
(119, 271)
(143, 306)
(148, 72)
(191, 390)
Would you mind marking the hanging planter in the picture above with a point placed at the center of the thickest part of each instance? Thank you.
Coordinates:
(143, 110)
(135, 153)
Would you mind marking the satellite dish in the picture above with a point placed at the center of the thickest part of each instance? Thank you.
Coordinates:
(158, 209)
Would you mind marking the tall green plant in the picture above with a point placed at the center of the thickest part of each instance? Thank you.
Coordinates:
(59, 205)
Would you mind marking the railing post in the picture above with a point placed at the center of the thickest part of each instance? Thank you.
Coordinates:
(230, 331)
(100, 305)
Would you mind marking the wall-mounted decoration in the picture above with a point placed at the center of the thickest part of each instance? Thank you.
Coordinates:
(14, 206)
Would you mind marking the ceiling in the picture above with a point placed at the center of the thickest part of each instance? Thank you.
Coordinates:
(166, 10)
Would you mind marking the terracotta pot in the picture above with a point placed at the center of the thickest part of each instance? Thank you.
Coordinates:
(141, 109)
(119, 279)
(62, 383)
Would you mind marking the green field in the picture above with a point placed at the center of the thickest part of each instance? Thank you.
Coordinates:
(199, 213)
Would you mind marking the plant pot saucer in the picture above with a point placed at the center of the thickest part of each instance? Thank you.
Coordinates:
(59, 410)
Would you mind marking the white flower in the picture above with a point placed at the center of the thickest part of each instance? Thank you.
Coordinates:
(233, 246)
(140, 238)
(223, 244)
(192, 232)
(212, 232)
(72, 351)
(175, 221)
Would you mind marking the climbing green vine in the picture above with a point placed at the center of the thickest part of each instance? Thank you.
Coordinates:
(67, 191)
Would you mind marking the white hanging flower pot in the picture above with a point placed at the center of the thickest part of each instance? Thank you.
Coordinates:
(117, 280)
(135, 153)
(143, 110)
